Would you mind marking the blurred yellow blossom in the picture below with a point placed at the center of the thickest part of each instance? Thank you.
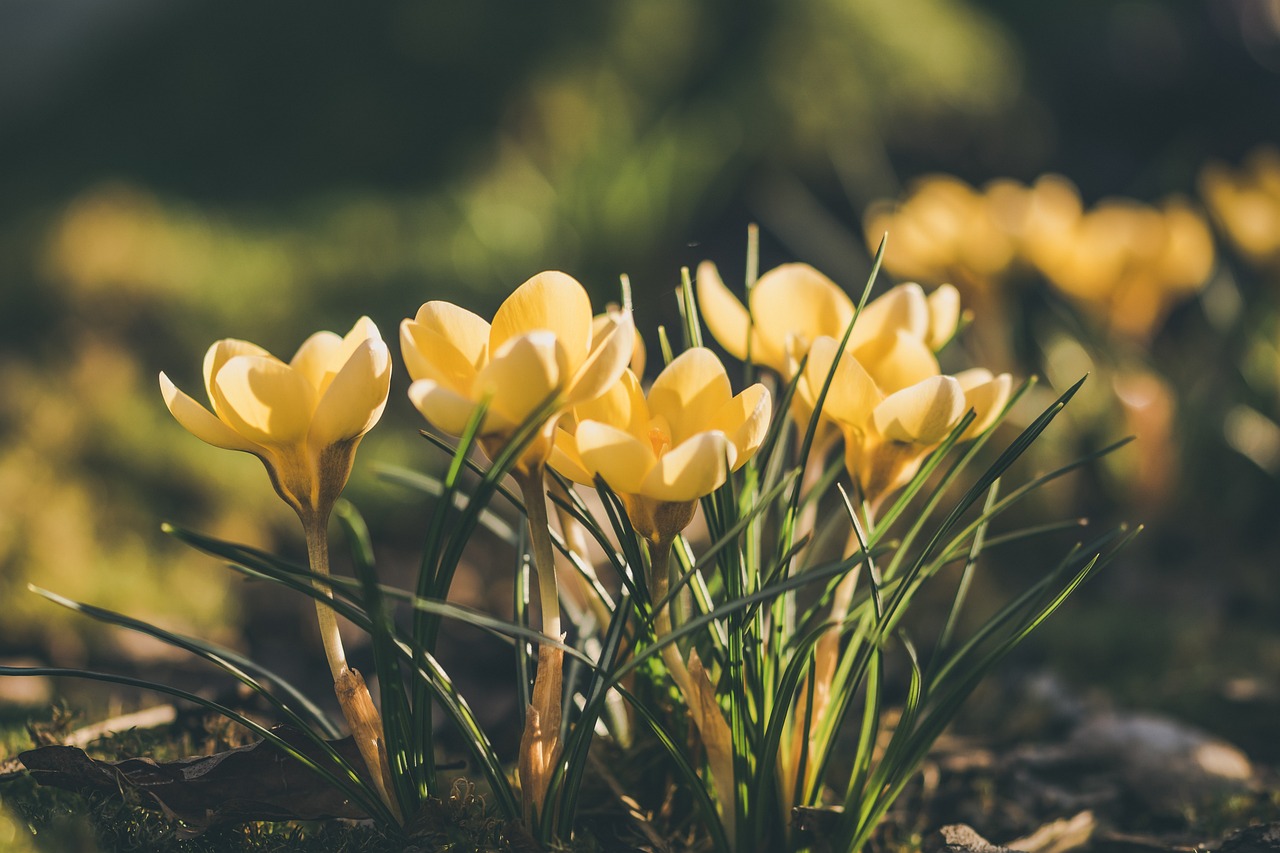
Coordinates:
(1245, 204)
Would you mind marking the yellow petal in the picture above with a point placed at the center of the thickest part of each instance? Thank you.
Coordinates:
(618, 457)
(466, 333)
(923, 413)
(944, 316)
(264, 399)
(853, 393)
(318, 358)
(220, 353)
(690, 470)
(429, 354)
(904, 308)
(550, 301)
(745, 420)
(796, 299)
(986, 395)
(601, 323)
(200, 422)
(524, 373)
(566, 460)
(725, 316)
(898, 361)
(608, 359)
(444, 408)
(622, 406)
(689, 392)
(355, 397)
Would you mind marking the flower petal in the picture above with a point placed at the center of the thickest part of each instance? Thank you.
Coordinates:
(944, 316)
(317, 359)
(689, 391)
(621, 460)
(622, 406)
(223, 351)
(745, 420)
(355, 398)
(691, 469)
(986, 395)
(898, 361)
(904, 308)
(466, 333)
(853, 393)
(522, 375)
(796, 299)
(566, 460)
(200, 422)
(606, 362)
(430, 354)
(923, 413)
(264, 399)
(550, 301)
(725, 316)
(444, 408)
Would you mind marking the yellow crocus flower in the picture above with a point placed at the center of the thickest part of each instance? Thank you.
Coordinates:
(303, 419)
(541, 345)
(664, 452)
(888, 429)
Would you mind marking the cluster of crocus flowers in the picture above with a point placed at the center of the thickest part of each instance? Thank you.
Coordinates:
(543, 354)
(1245, 204)
(1125, 262)
(304, 420)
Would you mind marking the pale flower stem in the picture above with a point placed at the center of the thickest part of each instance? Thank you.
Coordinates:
(533, 490)
(540, 741)
(659, 583)
(348, 685)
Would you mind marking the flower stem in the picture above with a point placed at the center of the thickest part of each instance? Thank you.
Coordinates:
(540, 741)
(348, 685)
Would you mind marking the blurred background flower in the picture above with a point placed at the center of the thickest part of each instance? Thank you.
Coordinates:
(176, 172)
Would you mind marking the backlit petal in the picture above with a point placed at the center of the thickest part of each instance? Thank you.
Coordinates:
(618, 457)
(853, 393)
(200, 422)
(692, 469)
(445, 409)
(986, 395)
(467, 333)
(220, 353)
(622, 406)
(689, 392)
(796, 299)
(355, 398)
(722, 313)
(264, 399)
(565, 459)
(944, 316)
(522, 375)
(430, 354)
(318, 358)
(609, 356)
(898, 361)
(923, 413)
(550, 301)
(745, 421)
(904, 308)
